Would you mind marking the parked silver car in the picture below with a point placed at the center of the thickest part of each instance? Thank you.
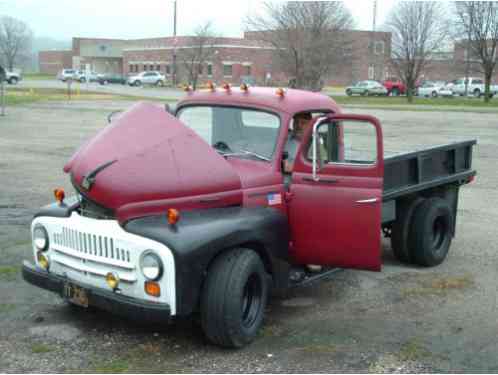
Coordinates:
(66, 74)
(150, 78)
(367, 88)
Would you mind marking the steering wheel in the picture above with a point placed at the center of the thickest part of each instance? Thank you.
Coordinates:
(222, 146)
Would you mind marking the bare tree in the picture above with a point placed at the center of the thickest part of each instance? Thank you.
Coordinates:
(199, 51)
(477, 21)
(308, 37)
(419, 30)
(15, 41)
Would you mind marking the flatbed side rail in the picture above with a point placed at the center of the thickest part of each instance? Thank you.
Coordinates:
(427, 168)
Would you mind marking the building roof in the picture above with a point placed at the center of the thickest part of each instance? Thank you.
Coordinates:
(293, 101)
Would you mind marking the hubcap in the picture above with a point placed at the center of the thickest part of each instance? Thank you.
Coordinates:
(251, 300)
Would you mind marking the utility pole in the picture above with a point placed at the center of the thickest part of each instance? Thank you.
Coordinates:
(374, 25)
(174, 43)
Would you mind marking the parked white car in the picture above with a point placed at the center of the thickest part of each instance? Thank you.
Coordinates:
(150, 78)
(475, 87)
(80, 75)
(434, 89)
(12, 77)
(66, 74)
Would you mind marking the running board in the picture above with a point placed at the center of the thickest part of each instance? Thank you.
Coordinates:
(308, 280)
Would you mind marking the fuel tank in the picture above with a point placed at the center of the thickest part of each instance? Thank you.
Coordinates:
(147, 161)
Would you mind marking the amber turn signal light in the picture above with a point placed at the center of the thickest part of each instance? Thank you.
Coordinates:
(173, 216)
(152, 288)
(59, 195)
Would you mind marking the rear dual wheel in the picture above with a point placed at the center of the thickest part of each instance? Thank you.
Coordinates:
(234, 298)
(423, 231)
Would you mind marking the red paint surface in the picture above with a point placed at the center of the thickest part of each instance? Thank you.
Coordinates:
(328, 226)
(163, 164)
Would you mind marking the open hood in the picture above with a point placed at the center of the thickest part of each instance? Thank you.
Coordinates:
(146, 160)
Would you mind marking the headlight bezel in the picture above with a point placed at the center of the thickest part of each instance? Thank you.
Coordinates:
(37, 229)
(153, 254)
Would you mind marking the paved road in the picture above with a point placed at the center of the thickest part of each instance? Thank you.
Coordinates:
(146, 91)
(403, 319)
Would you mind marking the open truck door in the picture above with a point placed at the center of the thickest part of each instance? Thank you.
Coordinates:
(336, 193)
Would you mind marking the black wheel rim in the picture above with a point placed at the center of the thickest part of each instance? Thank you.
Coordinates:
(439, 229)
(251, 300)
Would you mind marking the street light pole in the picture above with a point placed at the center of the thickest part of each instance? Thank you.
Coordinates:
(174, 43)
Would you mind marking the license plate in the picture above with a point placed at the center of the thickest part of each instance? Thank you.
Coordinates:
(76, 295)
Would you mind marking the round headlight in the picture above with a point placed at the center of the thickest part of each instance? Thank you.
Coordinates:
(40, 238)
(152, 266)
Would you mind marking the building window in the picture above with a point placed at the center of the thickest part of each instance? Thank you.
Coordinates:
(371, 72)
(131, 68)
(145, 68)
(158, 68)
(210, 70)
(199, 69)
(379, 47)
(227, 70)
(247, 70)
(168, 69)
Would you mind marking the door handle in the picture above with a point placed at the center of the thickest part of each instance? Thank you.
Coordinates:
(321, 180)
(371, 200)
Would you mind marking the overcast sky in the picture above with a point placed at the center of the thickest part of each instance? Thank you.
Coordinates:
(63, 19)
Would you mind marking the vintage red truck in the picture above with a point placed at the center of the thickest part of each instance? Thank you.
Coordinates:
(190, 212)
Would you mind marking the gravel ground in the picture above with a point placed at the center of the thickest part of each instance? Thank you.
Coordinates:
(404, 319)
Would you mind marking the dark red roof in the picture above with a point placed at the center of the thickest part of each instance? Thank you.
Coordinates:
(293, 101)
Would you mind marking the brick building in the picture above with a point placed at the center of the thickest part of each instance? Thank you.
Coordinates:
(234, 59)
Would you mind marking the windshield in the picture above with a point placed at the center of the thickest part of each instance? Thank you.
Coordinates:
(234, 131)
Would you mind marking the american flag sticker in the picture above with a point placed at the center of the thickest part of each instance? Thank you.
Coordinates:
(274, 199)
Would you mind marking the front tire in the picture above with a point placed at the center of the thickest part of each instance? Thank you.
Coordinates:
(434, 94)
(432, 231)
(349, 92)
(137, 83)
(13, 81)
(234, 298)
(477, 93)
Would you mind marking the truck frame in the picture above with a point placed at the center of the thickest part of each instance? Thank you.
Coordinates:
(190, 212)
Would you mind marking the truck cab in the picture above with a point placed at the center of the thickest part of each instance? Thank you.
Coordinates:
(193, 212)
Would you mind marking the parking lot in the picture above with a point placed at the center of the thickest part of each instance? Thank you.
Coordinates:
(404, 319)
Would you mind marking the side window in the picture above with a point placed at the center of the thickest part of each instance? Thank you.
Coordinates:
(199, 119)
(346, 142)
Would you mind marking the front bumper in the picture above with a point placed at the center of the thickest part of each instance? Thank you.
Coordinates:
(118, 304)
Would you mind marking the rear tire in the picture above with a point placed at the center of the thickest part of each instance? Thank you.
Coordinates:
(434, 94)
(477, 93)
(400, 237)
(234, 298)
(395, 92)
(13, 81)
(431, 232)
(349, 92)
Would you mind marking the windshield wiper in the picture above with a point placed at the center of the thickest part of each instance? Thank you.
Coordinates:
(246, 152)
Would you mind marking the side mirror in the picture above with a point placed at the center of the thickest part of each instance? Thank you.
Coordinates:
(285, 155)
(167, 108)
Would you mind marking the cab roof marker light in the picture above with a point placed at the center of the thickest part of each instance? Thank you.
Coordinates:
(187, 88)
(227, 87)
(244, 87)
(280, 92)
(211, 86)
